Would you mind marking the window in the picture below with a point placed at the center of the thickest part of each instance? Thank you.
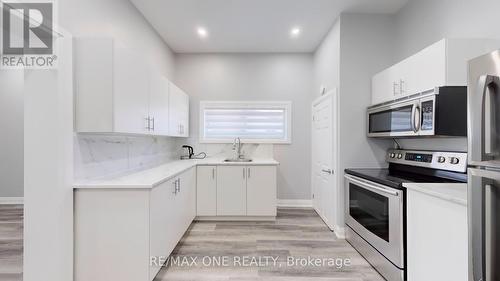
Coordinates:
(253, 122)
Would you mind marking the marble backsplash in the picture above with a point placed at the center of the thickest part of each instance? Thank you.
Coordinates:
(100, 156)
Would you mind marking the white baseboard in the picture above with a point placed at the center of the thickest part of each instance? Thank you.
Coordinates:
(286, 203)
(339, 231)
(11, 200)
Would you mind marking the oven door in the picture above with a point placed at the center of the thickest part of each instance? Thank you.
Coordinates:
(375, 212)
(401, 119)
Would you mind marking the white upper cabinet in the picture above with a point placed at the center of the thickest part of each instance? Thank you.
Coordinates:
(441, 64)
(116, 92)
(179, 112)
(158, 105)
(130, 92)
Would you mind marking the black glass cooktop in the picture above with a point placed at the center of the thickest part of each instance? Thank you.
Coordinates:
(396, 175)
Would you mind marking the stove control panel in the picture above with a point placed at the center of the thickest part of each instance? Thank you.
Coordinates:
(449, 161)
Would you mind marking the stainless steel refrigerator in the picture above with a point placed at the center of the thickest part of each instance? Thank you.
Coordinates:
(484, 167)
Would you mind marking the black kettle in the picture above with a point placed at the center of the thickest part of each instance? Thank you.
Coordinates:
(188, 152)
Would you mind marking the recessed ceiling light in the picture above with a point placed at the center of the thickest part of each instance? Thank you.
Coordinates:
(202, 32)
(295, 32)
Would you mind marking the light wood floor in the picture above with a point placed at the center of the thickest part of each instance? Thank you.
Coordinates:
(298, 233)
(11, 242)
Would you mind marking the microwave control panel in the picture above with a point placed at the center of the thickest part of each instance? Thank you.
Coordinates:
(427, 115)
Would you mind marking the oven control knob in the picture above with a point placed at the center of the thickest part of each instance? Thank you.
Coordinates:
(441, 159)
(454, 160)
(392, 155)
(400, 155)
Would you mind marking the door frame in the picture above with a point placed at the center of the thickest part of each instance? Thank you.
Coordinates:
(333, 95)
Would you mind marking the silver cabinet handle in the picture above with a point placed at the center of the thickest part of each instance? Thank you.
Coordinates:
(213, 173)
(179, 184)
(248, 172)
(147, 122)
(244, 173)
(327, 171)
(175, 187)
(153, 128)
(372, 187)
(401, 86)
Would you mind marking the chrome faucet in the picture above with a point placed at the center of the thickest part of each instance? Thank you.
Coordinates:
(237, 141)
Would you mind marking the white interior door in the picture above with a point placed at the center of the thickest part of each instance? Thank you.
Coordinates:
(323, 168)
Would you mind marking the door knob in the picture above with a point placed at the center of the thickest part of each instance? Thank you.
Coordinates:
(327, 171)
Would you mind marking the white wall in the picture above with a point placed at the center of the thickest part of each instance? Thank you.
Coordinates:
(11, 142)
(327, 62)
(365, 48)
(48, 131)
(357, 47)
(120, 20)
(423, 22)
(48, 170)
(282, 77)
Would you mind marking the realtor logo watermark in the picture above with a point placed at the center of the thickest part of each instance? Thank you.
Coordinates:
(28, 35)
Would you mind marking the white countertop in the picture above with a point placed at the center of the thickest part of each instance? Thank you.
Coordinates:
(453, 192)
(152, 177)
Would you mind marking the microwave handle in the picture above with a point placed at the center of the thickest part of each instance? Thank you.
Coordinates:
(415, 121)
(488, 84)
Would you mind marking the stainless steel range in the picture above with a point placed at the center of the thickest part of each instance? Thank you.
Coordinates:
(375, 203)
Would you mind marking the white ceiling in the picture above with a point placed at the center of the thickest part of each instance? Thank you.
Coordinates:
(251, 25)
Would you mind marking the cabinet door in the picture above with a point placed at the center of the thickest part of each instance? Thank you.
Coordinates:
(163, 223)
(231, 191)
(206, 191)
(158, 104)
(179, 112)
(187, 181)
(130, 93)
(439, 227)
(384, 86)
(261, 191)
(93, 70)
(429, 67)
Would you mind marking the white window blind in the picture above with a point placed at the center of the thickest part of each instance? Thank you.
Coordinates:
(252, 122)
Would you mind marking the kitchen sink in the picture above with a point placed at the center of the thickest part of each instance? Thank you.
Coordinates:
(238, 160)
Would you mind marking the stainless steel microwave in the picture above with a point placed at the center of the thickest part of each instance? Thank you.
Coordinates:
(440, 112)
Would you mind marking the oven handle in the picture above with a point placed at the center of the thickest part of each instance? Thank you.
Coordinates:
(373, 187)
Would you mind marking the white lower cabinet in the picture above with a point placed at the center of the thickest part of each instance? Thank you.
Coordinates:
(261, 191)
(206, 191)
(436, 239)
(236, 191)
(123, 233)
(163, 214)
(231, 191)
